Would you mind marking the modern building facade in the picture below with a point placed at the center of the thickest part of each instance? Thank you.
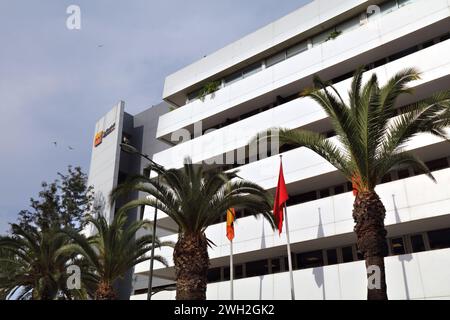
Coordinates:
(256, 82)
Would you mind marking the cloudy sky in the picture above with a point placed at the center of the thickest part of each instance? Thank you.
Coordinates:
(55, 83)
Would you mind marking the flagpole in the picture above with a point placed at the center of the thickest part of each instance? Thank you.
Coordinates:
(288, 242)
(231, 271)
(291, 275)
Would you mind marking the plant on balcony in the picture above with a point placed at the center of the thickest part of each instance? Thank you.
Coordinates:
(111, 252)
(208, 88)
(195, 198)
(333, 35)
(371, 137)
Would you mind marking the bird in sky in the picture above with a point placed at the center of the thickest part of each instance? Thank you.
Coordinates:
(71, 148)
(55, 143)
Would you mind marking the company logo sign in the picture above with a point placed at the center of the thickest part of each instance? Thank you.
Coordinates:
(99, 136)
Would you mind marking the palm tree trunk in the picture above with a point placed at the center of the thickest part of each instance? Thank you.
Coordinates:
(369, 213)
(191, 266)
(105, 291)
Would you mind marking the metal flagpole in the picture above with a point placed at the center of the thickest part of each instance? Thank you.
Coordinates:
(291, 275)
(231, 271)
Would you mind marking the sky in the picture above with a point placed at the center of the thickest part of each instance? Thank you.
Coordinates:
(55, 82)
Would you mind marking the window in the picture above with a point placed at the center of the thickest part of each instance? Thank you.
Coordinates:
(311, 259)
(386, 178)
(277, 58)
(256, 268)
(332, 256)
(402, 3)
(232, 78)
(350, 24)
(254, 68)
(238, 272)
(417, 243)
(403, 174)
(347, 254)
(339, 189)
(213, 275)
(388, 7)
(298, 48)
(324, 193)
(276, 266)
(439, 239)
(438, 164)
(397, 246)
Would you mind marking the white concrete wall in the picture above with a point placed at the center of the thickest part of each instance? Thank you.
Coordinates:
(376, 33)
(104, 167)
(293, 24)
(415, 198)
(300, 112)
(424, 275)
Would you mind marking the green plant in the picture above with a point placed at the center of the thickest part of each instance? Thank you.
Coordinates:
(370, 140)
(111, 252)
(333, 35)
(195, 198)
(208, 88)
(30, 266)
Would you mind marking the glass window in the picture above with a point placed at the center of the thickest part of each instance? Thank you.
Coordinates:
(417, 243)
(256, 268)
(254, 68)
(214, 275)
(438, 164)
(339, 189)
(386, 178)
(439, 239)
(321, 38)
(332, 256)
(349, 25)
(238, 271)
(397, 246)
(347, 254)
(403, 174)
(277, 58)
(232, 78)
(324, 193)
(388, 7)
(298, 48)
(276, 266)
(402, 3)
(226, 273)
(309, 259)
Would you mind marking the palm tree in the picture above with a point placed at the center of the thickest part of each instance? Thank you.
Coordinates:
(370, 142)
(30, 265)
(195, 198)
(111, 252)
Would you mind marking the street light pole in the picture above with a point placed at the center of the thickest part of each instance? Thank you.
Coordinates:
(132, 150)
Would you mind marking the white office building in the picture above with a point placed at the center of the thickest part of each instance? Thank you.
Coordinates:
(258, 79)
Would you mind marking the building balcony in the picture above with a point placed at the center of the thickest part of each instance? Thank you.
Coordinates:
(417, 276)
(304, 112)
(414, 204)
(374, 40)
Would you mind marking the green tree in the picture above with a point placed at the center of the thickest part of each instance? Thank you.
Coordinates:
(370, 141)
(62, 203)
(31, 267)
(110, 252)
(195, 198)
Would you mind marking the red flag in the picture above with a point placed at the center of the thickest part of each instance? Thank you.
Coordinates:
(231, 217)
(281, 196)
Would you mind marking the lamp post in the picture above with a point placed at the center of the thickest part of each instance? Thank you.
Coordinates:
(132, 150)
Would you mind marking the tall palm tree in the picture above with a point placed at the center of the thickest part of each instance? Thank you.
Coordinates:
(31, 266)
(371, 137)
(111, 252)
(195, 198)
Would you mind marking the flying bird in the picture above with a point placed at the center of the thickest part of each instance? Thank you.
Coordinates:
(55, 143)
(71, 148)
